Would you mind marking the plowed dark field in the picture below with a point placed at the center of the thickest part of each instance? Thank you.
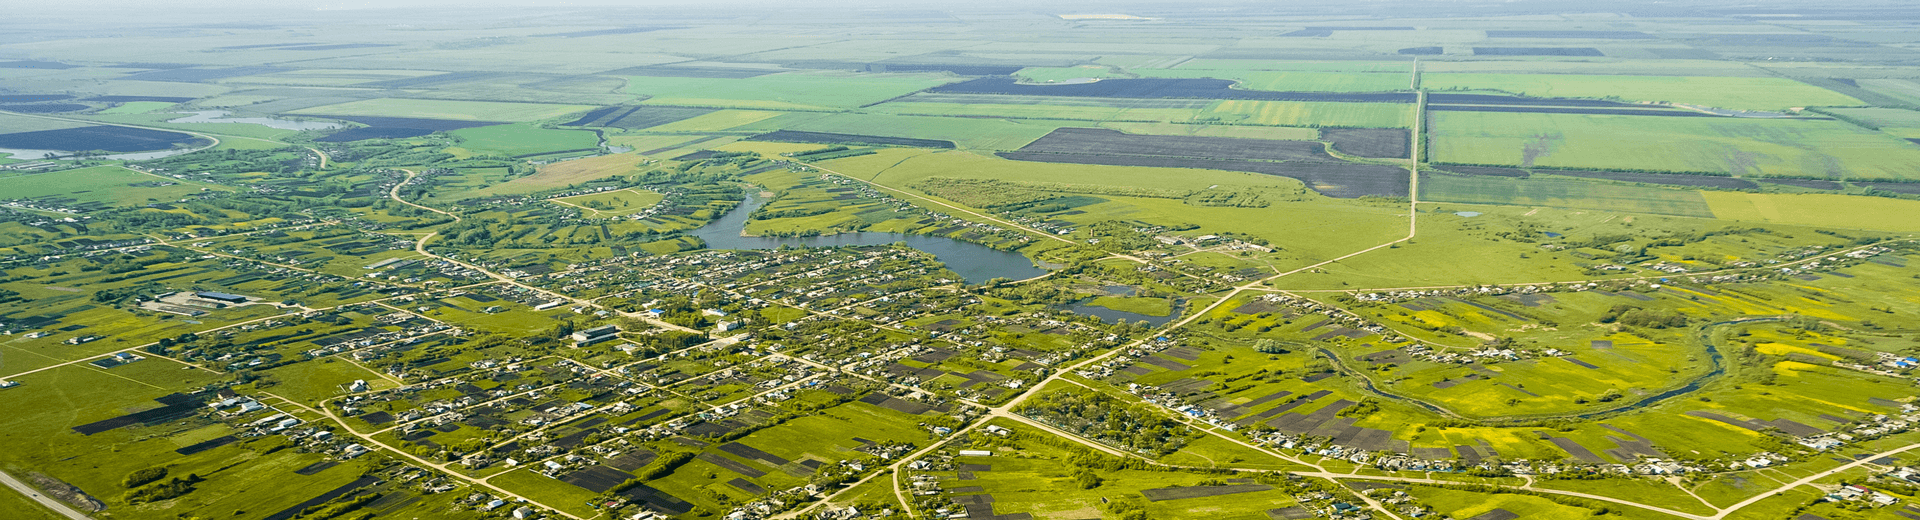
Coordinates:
(1378, 143)
(108, 138)
(635, 118)
(1303, 160)
(1536, 51)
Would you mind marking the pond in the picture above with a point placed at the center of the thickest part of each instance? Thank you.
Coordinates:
(974, 262)
(220, 116)
(1085, 307)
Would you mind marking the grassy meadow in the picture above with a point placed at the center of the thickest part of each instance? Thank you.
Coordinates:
(1744, 147)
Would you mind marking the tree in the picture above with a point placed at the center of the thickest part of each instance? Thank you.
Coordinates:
(1088, 480)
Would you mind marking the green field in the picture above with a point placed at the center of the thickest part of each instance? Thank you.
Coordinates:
(443, 109)
(1746, 147)
(1900, 123)
(1460, 504)
(1296, 81)
(1147, 306)
(137, 107)
(548, 176)
(11, 123)
(524, 139)
(109, 185)
(1819, 210)
(1770, 94)
(793, 91)
(1564, 193)
(714, 122)
(1310, 113)
(613, 203)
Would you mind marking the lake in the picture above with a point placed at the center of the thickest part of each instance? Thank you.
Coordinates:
(974, 262)
(220, 116)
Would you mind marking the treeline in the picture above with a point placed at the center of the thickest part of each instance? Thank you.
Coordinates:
(1638, 317)
(1551, 169)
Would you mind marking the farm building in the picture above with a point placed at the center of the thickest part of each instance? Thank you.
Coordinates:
(221, 297)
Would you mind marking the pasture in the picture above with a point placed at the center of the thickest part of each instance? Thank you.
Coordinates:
(1737, 146)
(1310, 114)
(553, 175)
(15, 123)
(715, 121)
(100, 186)
(612, 203)
(1563, 193)
(1816, 210)
(524, 139)
(1738, 93)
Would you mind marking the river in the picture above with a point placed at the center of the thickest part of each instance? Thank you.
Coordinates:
(974, 262)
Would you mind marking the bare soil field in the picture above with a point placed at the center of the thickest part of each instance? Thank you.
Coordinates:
(1378, 143)
(1334, 179)
(1536, 51)
(635, 118)
(109, 138)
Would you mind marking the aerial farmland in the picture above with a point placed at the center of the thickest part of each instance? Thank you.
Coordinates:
(1053, 261)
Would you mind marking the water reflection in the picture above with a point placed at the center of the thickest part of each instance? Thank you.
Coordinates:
(974, 262)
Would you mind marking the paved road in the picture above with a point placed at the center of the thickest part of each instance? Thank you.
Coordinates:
(420, 246)
(442, 467)
(52, 503)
